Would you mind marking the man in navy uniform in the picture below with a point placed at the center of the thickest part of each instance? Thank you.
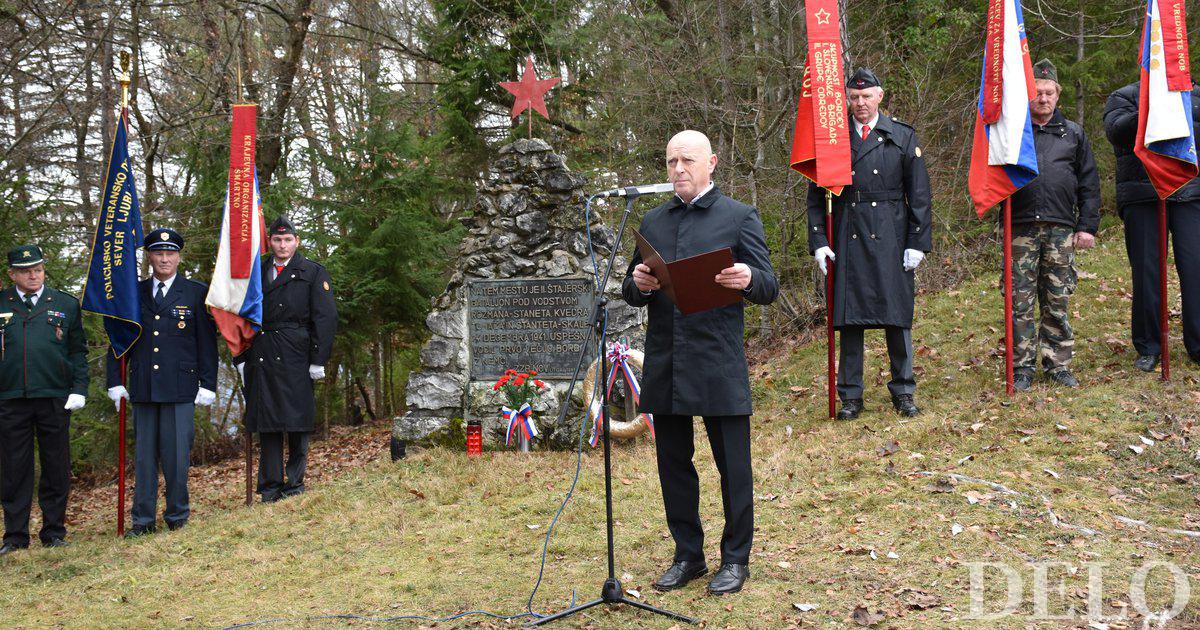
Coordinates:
(172, 368)
(43, 378)
(299, 321)
(881, 233)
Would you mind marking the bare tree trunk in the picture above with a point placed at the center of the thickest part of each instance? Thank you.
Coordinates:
(270, 146)
(1079, 51)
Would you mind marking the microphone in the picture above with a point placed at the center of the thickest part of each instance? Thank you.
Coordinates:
(637, 191)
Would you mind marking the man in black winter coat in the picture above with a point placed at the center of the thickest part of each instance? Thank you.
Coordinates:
(881, 233)
(696, 365)
(1054, 215)
(1137, 203)
(287, 357)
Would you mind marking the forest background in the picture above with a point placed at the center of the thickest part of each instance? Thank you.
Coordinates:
(377, 119)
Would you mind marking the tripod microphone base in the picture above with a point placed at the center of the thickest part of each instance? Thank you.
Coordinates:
(612, 593)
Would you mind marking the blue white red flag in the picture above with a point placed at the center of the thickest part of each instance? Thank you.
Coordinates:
(236, 291)
(1166, 140)
(1003, 156)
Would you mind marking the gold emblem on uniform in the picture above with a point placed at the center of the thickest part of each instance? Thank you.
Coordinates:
(918, 151)
(165, 237)
(326, 283)
(58, 332)
(182, 325)
(25, 254)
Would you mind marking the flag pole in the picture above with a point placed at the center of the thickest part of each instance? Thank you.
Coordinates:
(1008, 299)
(830, 365)
(122, 412)
(248, 440)
(1163, 320)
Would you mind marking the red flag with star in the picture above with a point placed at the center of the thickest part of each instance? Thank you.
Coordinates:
(529, 91)
(821, 144)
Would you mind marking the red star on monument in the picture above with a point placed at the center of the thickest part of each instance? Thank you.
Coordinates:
(529, 91)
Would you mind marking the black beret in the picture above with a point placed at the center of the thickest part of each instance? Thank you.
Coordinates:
(281, 226)
(862, 79)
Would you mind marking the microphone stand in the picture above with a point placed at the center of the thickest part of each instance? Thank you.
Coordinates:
(612, 592)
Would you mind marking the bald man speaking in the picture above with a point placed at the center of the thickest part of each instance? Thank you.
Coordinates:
(696, 364)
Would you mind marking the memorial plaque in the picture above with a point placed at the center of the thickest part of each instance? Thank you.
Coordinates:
(527, 324)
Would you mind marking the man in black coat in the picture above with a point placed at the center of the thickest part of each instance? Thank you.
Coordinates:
(696, 365)
(1137, 203)
(881, 233)
(1053, 216)
(172, 367)
(299, 322)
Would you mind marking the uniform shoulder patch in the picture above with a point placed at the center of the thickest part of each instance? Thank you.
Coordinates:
(326, 285)
(917, 151)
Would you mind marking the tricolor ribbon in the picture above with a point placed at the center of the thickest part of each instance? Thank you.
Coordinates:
(518, 418)
(618, 356)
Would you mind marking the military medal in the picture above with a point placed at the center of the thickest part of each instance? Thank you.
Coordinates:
(182, 325)
(58, 332)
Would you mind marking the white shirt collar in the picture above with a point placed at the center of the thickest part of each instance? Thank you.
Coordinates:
(710, 186)
(165, 283)
(858, 126)
(37, 297)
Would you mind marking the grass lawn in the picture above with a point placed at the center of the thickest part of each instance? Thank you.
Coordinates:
(844, 519)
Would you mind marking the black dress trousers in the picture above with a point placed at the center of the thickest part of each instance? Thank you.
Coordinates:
(729, 438)
(1141, 244)
(21, 420)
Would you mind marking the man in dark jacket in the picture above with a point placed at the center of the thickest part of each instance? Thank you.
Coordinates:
(1055, 214)
(881, 233)
(1137, 203)
(696, 364)
(299, 322)
(172, 368)
(43, 378)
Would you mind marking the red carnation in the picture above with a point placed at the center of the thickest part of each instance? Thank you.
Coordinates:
(520, 380)
(538, 383)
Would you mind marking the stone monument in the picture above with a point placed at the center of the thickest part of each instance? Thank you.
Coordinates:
(520, 297)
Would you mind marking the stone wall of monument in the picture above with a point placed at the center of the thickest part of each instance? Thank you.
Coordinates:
(527, 223)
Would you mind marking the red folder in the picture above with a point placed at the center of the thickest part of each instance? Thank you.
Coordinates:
(689, 281)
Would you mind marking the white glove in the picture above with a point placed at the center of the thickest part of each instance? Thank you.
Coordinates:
(74, 401)
(205, 397)
(115, 394)
(912, 258)
(822, 256)
(316, 372)
(241, 368)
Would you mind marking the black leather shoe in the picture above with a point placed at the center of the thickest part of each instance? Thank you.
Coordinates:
(176, 526)
(56, 542)
(1146, 362)
(728, 579)
(1064, 378)
(1022, 379)
(680, 574)
(272, 498)
(851, 407)
(291, 491)
(8, 548)
(135, 532)
(905, 406)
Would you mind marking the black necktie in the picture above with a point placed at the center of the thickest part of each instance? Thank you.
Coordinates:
(29, 300)
(161, 295)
